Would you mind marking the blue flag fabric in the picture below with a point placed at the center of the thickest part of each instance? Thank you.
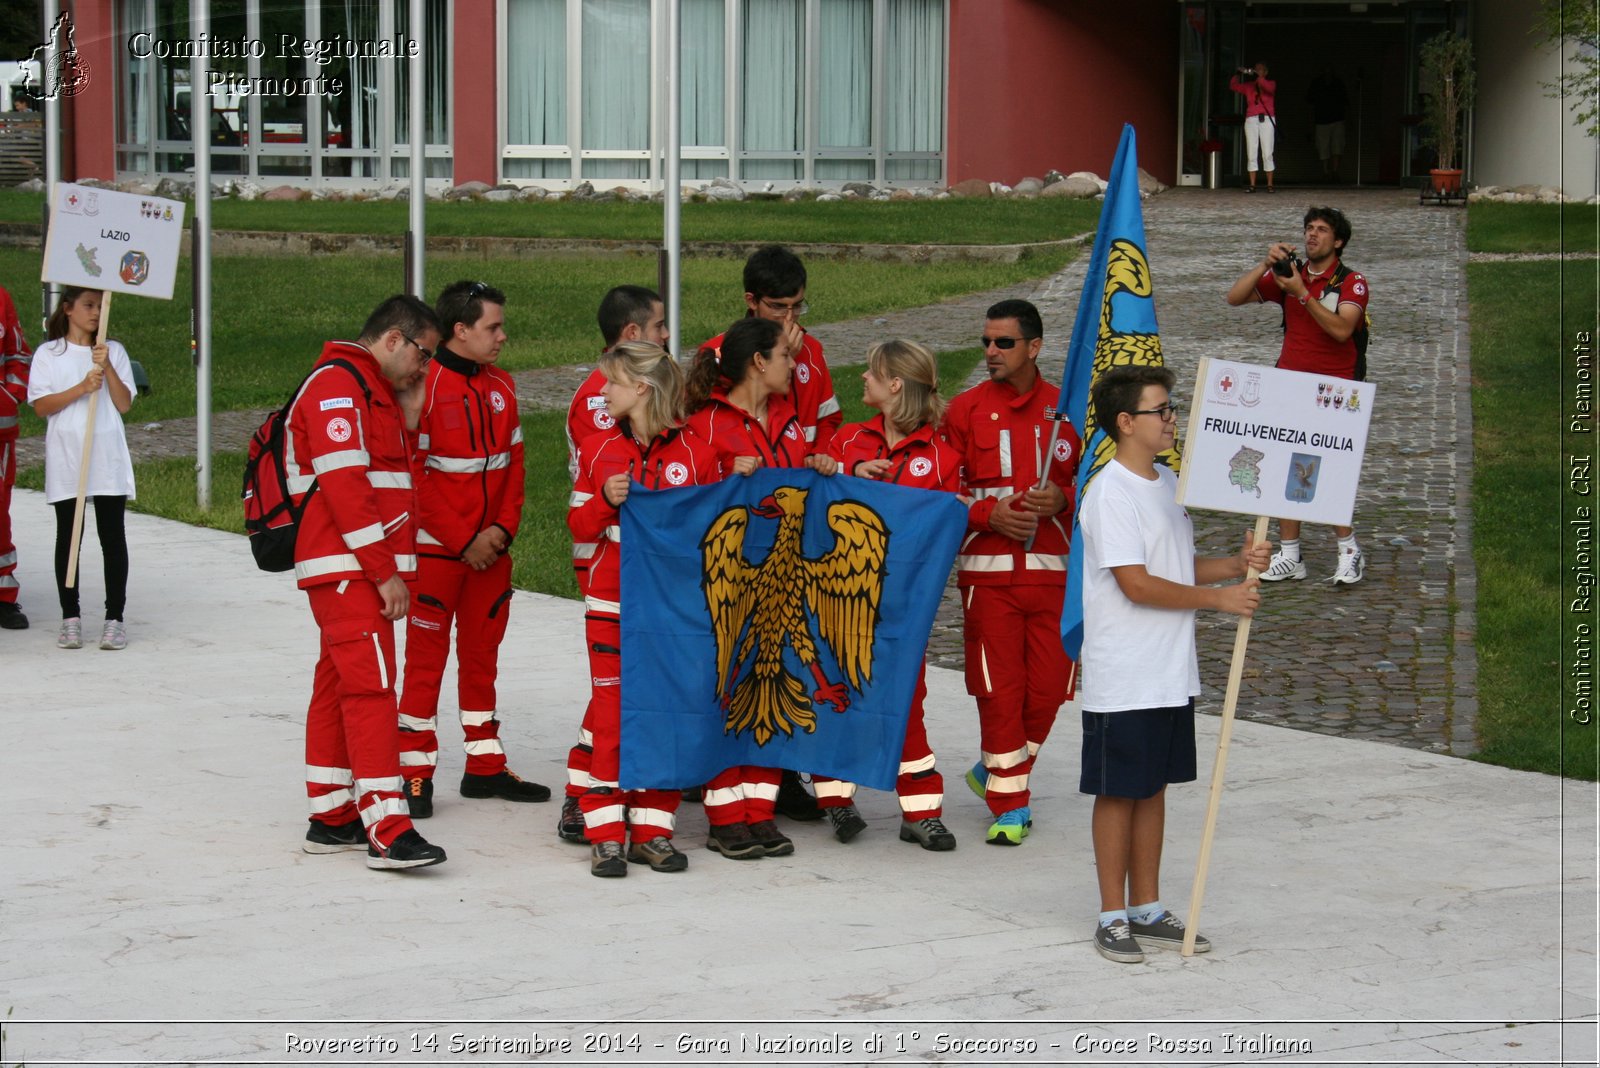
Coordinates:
(778, 620)
(1116, 324)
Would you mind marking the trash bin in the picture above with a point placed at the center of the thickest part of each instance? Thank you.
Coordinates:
(1214, 169)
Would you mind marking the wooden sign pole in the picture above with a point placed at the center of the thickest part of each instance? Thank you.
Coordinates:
(1235, 674)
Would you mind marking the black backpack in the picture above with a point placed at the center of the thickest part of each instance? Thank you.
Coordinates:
(1360, 334)
(271, 518)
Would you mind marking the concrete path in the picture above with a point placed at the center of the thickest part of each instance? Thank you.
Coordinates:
(1369, 903)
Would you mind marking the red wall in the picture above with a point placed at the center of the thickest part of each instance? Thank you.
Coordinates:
(88, 120)
(1036, 84)
(477, 156)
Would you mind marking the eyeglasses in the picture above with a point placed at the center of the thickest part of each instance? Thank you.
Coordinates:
(426, 354)
(777, 307)
(1002, 343)
(1167, 412)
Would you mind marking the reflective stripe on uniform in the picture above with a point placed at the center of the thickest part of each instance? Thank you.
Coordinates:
(328, 776)
(417, 723)
(367, 535)
(469, 465)
(485, 747)
(984, 562)
(651, 817)
(1001, 761)
(595, 604)
(318, 566)
(333, 461)
(389, 479)
(1046, 561)
(476, 719)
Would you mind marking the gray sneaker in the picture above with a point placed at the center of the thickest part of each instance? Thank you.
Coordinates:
(70, 636)
(1167, 930)
(114, 635)
(1115, 942)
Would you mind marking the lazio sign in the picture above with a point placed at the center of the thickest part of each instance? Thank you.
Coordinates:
(119, 242)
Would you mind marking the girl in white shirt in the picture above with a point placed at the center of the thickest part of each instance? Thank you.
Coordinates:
(68, 370)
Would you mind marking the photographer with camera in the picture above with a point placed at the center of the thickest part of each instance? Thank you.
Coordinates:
(1260, 119)
(1324, 304)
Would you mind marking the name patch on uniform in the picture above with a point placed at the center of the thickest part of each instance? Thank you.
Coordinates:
(596, 402)
(338, 402)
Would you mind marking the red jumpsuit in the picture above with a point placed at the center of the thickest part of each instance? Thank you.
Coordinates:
(15, 356)
(745, 793)
(469, 478)
(586, 418)
(1012, 591)
(811, 393)
(922, 459)
(356, 534)
(675, 458)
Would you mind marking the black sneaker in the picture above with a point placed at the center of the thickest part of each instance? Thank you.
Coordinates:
(11, 617)
(419, 796)
(606, 861)
(335, 838)
(506, 784)
(569, 825)
(795, 801)
(930, 833)
(733, 841)
(1115, 942)
(1167, 930)
(773, 842)
(409, 850)
(847, 822)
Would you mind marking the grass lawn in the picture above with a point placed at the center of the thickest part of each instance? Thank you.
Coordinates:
(271, 316)
(1517, 493)
(1496, 227)
(950, 222)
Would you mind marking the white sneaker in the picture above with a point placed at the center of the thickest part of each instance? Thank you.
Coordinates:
(1284, 568)
(114, 635)
(1352, 565)
(70, 636)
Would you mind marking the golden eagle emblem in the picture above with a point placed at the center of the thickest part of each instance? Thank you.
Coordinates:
(1127, 272)
(757, 609)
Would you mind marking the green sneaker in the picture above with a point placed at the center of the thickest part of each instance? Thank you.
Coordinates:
(1011, 828)
(978, 779)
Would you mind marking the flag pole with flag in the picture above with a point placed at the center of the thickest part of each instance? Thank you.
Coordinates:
(1116, 324)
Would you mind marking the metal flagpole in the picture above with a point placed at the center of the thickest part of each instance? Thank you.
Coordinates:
(49, 73)
(671, 184)
(416, 240)
(200, 256)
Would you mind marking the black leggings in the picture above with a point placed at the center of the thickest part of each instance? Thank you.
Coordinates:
(113, 550)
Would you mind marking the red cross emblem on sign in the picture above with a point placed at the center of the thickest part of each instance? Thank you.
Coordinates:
(1226, 383)
(72, 199)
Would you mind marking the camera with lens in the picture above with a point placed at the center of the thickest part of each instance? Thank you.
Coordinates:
(1247, 74)
(1287, 266)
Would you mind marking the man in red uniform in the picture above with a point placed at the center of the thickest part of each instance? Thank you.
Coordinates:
(775, 289)
(469, 499)
(15, 356)
(627, 313)
(1013, 564)
(1324, 304)
(350, 435)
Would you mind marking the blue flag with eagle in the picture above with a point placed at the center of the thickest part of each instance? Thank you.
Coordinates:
(1116, 324)
(778, 620)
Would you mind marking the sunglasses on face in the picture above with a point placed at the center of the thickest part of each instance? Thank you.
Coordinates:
(1002, 343)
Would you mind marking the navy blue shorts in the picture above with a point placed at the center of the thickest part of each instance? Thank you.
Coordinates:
(1138, 752)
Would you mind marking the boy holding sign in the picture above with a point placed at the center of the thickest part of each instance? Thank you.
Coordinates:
(1142, 585)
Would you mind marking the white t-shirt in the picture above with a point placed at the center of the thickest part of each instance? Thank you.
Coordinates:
(1135, 656)
(58, 365)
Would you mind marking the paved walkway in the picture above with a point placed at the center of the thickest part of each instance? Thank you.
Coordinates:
(1397, 662)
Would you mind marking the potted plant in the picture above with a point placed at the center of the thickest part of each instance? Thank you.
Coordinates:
(1448, 73)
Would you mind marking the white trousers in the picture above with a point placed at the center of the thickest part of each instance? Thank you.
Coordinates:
(1258, 133)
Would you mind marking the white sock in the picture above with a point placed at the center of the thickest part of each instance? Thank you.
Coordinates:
(1348, 545)
(1146, 913)
(1113, 916)
(1289, 548)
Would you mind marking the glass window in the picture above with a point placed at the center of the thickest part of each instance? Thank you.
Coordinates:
(772, 80)
(914, 88)
(704, 72)
(536, 84)
(616, 85)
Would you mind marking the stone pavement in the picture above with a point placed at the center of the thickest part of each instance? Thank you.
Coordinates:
(1397, 662)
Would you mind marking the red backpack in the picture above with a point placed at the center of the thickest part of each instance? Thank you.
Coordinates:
(271, 518)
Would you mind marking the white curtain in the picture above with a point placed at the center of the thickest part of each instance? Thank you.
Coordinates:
(705, 81)
(844, 89)
(536, 84)
(436, 84)
(774, 57)
(616, 84)
(132, 18)
(914, 86)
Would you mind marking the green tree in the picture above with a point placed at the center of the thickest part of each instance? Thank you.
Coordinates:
(1574, 26)
(20, 29)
